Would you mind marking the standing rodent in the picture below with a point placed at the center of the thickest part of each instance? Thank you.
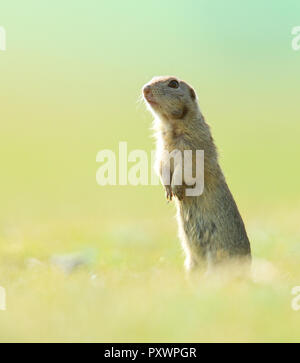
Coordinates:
(210, 226)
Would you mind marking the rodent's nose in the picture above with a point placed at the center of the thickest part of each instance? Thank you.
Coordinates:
(147, 90)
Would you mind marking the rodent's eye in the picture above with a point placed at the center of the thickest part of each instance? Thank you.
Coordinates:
(173, 84)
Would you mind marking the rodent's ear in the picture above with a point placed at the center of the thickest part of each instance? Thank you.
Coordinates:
(192, 93)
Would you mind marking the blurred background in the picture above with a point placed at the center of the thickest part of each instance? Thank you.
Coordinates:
(71, 78)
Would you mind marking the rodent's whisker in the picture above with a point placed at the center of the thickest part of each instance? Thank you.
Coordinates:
(140, 99)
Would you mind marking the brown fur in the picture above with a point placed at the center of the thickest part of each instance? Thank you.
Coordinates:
(210, 226)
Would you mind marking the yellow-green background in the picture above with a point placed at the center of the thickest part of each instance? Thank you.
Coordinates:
(69, 86)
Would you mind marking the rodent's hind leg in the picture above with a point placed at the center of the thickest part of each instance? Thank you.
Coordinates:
(190, 264)
(194, 261)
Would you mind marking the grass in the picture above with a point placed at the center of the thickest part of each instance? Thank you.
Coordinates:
(135, 289)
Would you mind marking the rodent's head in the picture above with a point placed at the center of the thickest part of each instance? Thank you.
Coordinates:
(170, 98)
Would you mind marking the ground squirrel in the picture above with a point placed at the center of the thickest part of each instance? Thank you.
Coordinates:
(210, 226)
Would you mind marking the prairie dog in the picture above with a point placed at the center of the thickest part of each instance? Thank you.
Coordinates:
(210, 226)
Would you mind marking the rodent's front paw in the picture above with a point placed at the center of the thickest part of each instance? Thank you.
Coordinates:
(178, 191)
(169, 193)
